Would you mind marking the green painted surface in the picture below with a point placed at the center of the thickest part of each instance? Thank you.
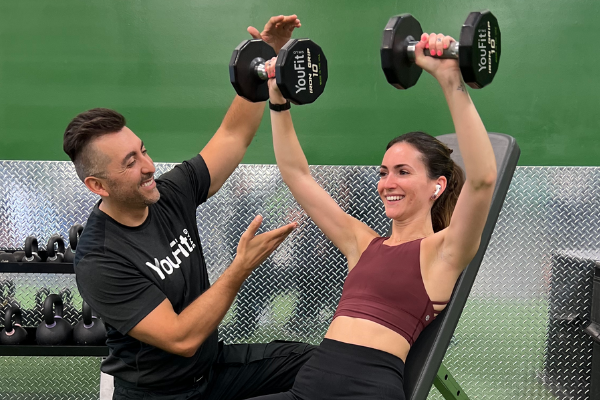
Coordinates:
(164, 65)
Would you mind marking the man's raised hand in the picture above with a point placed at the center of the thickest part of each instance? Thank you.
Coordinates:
(277, 31)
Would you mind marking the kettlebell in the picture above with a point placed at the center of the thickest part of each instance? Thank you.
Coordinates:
(31, 250)
(12, 334)
(90, 331)
(54, 255)
(74, 234)
(54, 330)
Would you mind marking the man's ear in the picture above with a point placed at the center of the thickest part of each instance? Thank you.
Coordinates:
(96, 186)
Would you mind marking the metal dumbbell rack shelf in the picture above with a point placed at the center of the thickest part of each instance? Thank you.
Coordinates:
(30, 347)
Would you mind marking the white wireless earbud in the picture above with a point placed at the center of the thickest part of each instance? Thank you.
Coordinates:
(437, 190)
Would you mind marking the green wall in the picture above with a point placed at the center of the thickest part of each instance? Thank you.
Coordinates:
(164, 65)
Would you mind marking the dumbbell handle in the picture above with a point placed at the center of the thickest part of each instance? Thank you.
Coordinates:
(450, 52)
(258, 64)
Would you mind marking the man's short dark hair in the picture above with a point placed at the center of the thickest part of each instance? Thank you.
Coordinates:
(81, 131)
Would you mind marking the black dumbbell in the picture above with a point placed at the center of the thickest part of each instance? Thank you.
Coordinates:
(300, 71)
(54, 330)
(477, 51)
(90, 331)
(74, 234)
(31, 250)
(12, 333)
(55, 255)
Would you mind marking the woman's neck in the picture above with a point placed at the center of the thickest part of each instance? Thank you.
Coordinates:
(406, 231)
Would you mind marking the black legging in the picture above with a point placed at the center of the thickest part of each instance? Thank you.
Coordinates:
(344, 371)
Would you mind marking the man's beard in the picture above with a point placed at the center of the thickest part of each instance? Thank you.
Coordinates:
(131, 197)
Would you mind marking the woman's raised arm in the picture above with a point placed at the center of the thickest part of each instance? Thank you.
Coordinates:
(460, 240)
(347, 233)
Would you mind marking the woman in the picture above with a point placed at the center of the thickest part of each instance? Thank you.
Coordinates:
(398, 284)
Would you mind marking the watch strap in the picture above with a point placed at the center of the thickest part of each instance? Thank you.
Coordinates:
(280, 107)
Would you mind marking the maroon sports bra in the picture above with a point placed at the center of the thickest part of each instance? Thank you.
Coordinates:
(386, 287)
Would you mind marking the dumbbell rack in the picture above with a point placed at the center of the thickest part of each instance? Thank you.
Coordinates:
(30, 348)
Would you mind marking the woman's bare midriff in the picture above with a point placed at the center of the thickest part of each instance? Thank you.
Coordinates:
(366, 333)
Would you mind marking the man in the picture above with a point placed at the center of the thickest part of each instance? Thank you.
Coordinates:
(139, 262)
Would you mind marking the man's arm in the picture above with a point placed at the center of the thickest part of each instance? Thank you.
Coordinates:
(184, 333)
(225, 150)
(227, 147)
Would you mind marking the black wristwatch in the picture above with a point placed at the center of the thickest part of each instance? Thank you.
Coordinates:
(280, 107)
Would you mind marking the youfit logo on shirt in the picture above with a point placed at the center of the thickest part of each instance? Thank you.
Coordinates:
(181, 246)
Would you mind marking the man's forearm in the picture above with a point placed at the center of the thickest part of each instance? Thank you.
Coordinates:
(243, 119)
(200, 319)
(226, 149)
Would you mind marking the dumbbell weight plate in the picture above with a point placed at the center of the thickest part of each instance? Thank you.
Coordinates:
(301, 71)
(479, 51)
(399, 71)
(242, 73)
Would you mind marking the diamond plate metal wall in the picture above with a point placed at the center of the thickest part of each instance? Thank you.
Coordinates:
(45, 378)
(507, 344)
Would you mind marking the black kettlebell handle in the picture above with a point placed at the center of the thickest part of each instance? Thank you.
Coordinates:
(55, 239)
(74, 234)
(86, 310)
(12, 311)
(31, 247)
(55, 302)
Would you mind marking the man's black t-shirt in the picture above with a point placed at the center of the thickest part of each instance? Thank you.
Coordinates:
(124, 273)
